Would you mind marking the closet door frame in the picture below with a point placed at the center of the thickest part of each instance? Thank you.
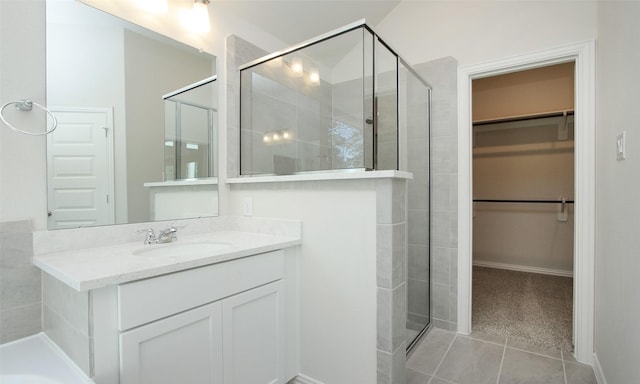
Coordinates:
(583, 55)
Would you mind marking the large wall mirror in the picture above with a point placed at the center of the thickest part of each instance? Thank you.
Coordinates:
(137, 113)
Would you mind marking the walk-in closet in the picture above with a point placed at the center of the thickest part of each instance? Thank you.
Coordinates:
(523, 204)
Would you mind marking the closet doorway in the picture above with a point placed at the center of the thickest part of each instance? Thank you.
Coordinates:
(523, 195)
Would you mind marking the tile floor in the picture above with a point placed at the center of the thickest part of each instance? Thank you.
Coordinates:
(443, 357)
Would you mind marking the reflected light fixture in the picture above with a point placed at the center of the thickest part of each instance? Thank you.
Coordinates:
(296, 67)
(153, 6)
(277, 137)
(314, 76)
(200, 16)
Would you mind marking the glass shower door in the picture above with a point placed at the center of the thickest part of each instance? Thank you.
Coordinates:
(414, 101)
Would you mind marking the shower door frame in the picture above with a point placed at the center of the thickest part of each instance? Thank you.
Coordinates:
(583, 54)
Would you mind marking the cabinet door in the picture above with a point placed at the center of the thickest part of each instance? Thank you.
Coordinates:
(184, 348)
(253, 336)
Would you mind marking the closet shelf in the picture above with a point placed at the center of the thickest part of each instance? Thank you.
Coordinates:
(520, 148)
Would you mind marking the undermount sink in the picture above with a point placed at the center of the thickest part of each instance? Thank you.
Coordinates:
(179, 249)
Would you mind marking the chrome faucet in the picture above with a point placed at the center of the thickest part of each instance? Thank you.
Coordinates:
(166, 235)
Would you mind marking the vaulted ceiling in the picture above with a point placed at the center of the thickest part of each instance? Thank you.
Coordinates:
(293, 21)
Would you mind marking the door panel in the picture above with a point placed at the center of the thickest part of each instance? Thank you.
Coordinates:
(80, 168)
(254, 336)
(184, 348)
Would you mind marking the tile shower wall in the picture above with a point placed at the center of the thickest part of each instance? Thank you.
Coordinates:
(20, 292)
(442, 75)
(391, 266)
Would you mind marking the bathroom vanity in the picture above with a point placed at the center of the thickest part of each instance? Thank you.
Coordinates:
(216, 307)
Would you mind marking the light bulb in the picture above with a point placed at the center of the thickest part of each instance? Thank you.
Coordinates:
(200, 16)
(266, 139)
(276, 137)
(296, 67)
(285, 135)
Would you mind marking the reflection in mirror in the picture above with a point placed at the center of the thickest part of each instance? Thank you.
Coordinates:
(106, 79)
(191, 117)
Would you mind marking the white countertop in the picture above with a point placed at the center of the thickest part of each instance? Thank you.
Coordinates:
(92, 268)
(318, 176)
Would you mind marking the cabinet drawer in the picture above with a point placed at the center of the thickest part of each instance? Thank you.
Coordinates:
(143, 301)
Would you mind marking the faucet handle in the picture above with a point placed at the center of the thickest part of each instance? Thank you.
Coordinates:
(150, 237)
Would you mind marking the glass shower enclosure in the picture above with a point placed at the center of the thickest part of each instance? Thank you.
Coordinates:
(344, 102)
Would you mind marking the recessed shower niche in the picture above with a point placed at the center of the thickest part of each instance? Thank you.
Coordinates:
(345, 102)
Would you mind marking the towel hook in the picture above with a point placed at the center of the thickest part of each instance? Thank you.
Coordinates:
(25, 105)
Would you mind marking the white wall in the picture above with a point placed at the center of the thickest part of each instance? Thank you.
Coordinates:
(22, 75)
(618, 187)
(337, 269)
(480, 31)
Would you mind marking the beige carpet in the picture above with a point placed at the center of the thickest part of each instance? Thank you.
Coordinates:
(527, 307)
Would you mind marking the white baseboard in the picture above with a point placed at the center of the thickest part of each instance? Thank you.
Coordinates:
(597, 369)
(303, 379)
(523, 268)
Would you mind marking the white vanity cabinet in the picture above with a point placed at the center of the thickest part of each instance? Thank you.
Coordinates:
(219, 324)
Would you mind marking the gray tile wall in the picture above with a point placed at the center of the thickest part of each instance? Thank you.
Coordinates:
(66, 320)
(20, 292)
(391, 260)
(442, 75)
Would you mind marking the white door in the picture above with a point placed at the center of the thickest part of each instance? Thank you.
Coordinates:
(184, 348)
(253, 336)
(80, 168)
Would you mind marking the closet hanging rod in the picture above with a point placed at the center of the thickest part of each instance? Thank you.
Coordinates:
(568, 112)
(524, 201)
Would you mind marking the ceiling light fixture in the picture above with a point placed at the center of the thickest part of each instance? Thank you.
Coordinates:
(200, 16)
